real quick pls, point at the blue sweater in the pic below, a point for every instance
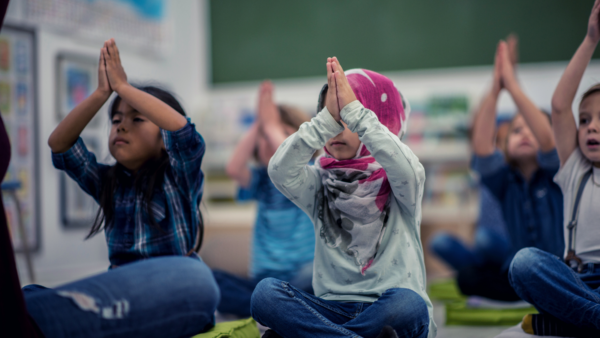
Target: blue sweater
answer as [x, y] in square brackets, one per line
[284, 239]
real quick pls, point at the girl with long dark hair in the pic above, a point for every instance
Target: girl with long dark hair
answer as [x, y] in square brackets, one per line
[149, 212]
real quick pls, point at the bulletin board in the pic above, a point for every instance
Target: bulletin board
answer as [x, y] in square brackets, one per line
[18, 106]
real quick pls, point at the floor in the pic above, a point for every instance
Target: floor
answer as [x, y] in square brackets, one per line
[462, 331]
[443, 331]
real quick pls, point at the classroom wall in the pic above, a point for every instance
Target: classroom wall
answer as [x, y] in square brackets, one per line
[64, 255]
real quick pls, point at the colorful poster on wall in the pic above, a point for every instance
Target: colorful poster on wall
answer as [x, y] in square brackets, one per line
[18, 106]
[77, 77]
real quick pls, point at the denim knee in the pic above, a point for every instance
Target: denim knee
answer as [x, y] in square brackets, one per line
[484, 238]
[441, 244]
[32, 288]
[263, 297]
[195, 280]
[526, 263]
[405, 306]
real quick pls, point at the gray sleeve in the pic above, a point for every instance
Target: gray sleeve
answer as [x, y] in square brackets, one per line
[289, 169]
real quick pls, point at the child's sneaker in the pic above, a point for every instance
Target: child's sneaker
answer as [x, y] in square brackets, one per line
[546, 325]
[271, 334]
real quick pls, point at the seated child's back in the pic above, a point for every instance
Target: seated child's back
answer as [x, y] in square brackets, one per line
[283, 239]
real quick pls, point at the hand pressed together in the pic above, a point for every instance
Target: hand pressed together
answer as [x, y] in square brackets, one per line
[117, 78]
[339, 94]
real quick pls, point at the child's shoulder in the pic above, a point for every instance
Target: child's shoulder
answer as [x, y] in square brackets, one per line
[573, 169]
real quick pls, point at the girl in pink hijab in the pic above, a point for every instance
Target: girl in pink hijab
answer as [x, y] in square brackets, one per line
[364, 198]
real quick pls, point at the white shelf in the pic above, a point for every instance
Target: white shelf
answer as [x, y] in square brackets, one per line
[439, 214]
[451, 151]
[229, 215]
[244, 215]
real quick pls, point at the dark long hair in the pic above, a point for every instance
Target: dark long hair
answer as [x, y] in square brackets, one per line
[146, 180]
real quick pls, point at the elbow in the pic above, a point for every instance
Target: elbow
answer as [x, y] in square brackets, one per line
[54, 143]
[274, 171]
[547, 144]
[480, 149]
[558, 106]
[232, 171]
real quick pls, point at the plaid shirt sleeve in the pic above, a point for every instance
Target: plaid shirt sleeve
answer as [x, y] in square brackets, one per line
[186, 148]
[81, 165]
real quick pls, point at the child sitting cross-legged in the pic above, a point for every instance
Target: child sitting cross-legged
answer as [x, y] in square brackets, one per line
[364, 198]
[149, 203]
[519, 177]
[567, 296]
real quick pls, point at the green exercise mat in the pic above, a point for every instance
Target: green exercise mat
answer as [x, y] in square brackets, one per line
[243, 328]
[445, 290]
[459, 313]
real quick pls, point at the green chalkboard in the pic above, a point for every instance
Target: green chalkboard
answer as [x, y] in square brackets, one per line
[258, 39]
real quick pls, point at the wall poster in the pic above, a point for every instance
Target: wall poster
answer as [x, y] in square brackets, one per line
[18, 106]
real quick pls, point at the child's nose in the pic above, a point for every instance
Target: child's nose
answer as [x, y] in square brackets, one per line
[123, 126]
[594, 126]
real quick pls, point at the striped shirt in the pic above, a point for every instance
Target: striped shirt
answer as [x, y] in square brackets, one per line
[284, 238]
[175, 207]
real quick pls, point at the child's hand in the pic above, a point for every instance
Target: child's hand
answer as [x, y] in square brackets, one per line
[345, 94]
[331, 101]
[114, 70]
[509, 79]
[593, 32]
[512, 41]
[103, 85]
[268, 114]
[497, 80]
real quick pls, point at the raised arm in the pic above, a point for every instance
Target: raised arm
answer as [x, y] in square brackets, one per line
[484, 125]
[68, 130]
[237, 167]
[154, 109]
[534, 117]
[563, 123]
[269, 119]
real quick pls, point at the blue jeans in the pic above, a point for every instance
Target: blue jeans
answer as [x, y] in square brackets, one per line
[236, 292]
[159, 297]
[488, 248]
[545, 281]
[294, 313]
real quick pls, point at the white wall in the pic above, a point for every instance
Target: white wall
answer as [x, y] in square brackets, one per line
[64, 255]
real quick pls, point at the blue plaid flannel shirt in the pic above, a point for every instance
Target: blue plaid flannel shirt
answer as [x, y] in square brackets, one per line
[175, 206]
